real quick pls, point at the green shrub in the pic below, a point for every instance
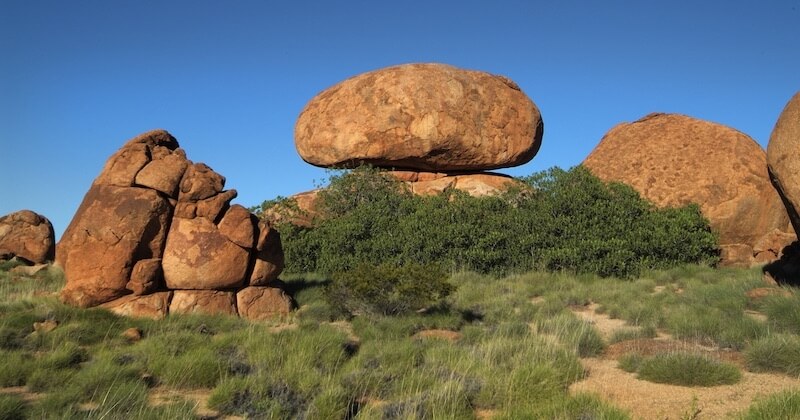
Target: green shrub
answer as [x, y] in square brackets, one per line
[783, 405]
[388, 290]
[776, 353]
[564, 220]
[685, 369]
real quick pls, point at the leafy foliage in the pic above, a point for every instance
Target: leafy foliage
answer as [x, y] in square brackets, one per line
[387, 290]
[561, 220]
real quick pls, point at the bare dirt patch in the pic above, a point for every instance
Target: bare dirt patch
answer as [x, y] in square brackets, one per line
[163, 396]
[22, 392]
[647, 400]
[654, 346]
[604, 323]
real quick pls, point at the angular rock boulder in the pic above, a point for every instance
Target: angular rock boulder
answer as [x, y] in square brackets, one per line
[674, 160]
[262, 303]
[154, 306]
[28, 235]
[269, 260]
[783, 158]
[113, 229]
[429, 117]
[210, 302]
[146, 277]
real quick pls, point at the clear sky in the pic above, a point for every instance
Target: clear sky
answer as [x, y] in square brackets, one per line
[229, 78]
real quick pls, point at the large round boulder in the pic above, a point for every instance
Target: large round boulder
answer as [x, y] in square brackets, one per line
[430, 117]
[198, 256]
[27, 235]
[674, 160]
[783, 158]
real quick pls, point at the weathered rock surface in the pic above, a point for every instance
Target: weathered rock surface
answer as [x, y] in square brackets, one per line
[198, 256]
[200, 182]
[155, 306]
[674, 160]
[212, 208]
[261, 303]
[211, 302]
[783, 159]
[154, 223]
[475, 184]
[300, 210]
[238, 225]
[269, 256]
[164, 174]
[28, 235]
[430, 117]
[146, 277]
[113, 228]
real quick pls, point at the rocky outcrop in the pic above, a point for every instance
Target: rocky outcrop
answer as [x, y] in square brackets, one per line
[428, 117]
[27, 235]
[477, 184]
[783, 159]
[674, 160]
[784, 169]
[156, 234]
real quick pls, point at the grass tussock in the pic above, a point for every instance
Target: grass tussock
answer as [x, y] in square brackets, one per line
[781, 405]
[776, 353]
[685, 369]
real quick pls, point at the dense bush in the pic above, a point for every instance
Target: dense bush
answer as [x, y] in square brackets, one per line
[561, 220]
[386, 289]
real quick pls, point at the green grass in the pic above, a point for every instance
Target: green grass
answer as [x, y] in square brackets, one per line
[12, 407]
[634, 333]
[782, 405]
[518, 351]
[777, 353]
[685, 369]
[783, 313]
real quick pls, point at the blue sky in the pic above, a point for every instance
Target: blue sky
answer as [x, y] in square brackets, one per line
[229, 78]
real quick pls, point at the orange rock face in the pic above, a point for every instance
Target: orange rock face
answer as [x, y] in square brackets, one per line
[113, 228]
[198, 256]
[269, 260]
[674, 160]
[155, 306]
[260, 303]
[476, 184]
[156, 234]
[27, 235]
[783, 159]
[429, 117]
[211, 302]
